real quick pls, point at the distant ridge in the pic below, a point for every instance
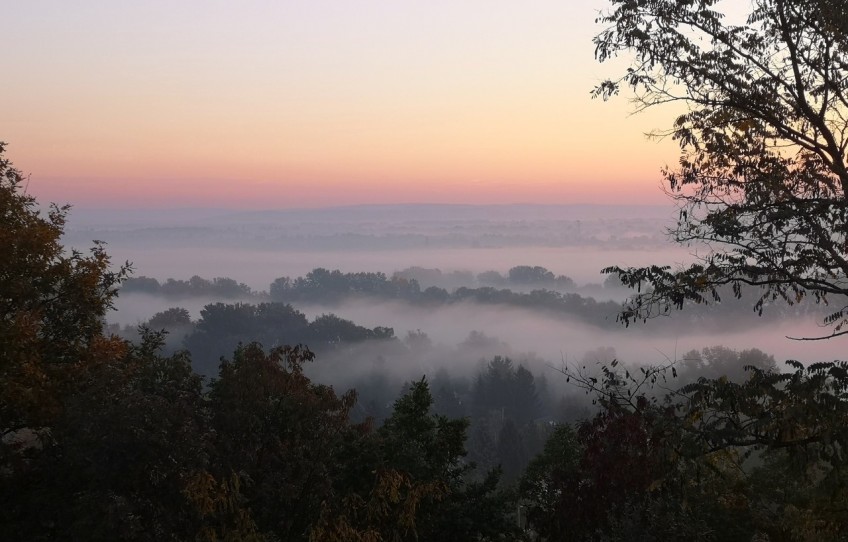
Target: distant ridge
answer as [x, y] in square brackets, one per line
[407, 212]
[460, 212]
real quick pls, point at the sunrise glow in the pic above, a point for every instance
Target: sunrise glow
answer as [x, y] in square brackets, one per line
[295, 104]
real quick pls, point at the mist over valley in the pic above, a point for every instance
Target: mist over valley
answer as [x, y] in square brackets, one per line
[449, 248]
[257, 247]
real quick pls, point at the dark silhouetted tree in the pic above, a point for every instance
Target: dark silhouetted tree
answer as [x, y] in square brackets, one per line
[548, 475]
[281, 434]
[52, 305]
[525, 398]
[170, 318]
[762, 177]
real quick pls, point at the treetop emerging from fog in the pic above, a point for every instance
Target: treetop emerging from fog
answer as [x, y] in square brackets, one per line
[762, 175]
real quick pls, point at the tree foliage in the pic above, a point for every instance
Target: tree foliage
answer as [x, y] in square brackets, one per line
[222, 327]
[712, 460]
[118, 458]
[220, 287]
[281, 433]
[546, 477]
[762, 178]
[52, 303]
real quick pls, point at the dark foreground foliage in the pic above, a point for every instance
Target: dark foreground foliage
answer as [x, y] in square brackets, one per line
[762, 459]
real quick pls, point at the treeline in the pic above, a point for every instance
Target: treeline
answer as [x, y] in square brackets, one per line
[365, 283]
[324, 287]
[520, 276]
[223, 326]
[332, 288]
[219, 287]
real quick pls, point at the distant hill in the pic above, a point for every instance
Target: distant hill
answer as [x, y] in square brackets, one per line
[415, 212]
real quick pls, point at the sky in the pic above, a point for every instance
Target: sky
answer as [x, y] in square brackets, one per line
[283, 104]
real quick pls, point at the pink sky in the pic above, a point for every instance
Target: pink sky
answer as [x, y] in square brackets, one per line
[295, 104]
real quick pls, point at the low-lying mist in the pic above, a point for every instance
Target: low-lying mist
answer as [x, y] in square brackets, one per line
[541, 338]
[258, 267]
[555, 340]
[257, 247]
[448, 247]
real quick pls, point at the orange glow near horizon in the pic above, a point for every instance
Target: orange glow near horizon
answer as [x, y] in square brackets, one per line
[325, 104]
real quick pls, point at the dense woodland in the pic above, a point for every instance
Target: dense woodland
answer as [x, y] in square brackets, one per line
[526, 287]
